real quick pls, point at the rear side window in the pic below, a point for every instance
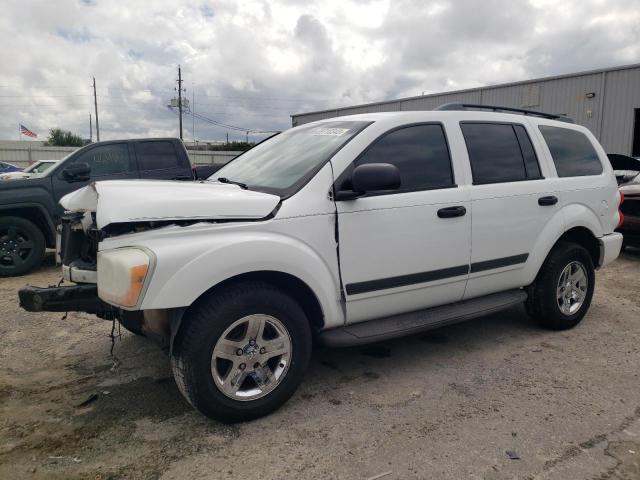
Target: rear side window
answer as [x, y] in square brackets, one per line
[156, 155]
[500, 153]
[572, 152]
[421, 154]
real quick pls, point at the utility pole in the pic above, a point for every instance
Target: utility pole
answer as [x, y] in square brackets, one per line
[180, 98]
[192, 108]
[227, 138]
[95, 103]
[90, 130]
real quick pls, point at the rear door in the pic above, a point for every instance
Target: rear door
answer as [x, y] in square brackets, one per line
[511, 202]
[400, 251]
[160, 160]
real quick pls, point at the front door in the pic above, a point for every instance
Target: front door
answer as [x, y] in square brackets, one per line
[409, 249]
[109, 161]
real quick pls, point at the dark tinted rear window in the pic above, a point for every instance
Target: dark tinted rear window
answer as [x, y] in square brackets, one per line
[498, 154]
[156, 155]
[572, 152]
[420, 152]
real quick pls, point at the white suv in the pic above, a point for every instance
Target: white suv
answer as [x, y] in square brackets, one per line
[348, 230]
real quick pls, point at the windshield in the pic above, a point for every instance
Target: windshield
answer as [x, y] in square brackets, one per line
[38, 167]
[286, 161]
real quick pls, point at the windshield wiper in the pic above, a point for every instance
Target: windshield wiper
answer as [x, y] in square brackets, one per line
[226, 180]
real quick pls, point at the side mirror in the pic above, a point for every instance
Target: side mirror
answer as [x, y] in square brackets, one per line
[371, 177]
[77, 172]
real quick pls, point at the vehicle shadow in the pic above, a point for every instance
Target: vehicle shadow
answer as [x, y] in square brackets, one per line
[426, 351]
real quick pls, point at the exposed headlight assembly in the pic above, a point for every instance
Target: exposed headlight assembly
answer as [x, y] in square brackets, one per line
[123, 275]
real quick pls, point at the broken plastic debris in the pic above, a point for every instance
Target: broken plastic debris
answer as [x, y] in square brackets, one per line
[513, 455]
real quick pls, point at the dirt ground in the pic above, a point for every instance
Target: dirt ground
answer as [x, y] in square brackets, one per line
[451, 404]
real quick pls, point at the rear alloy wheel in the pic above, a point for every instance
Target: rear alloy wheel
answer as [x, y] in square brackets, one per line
[241, 351]
[572, 288]
[22, 246]
[561, 294]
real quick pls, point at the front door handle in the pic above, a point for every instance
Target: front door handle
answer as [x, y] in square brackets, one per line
[450, 212]
[547, 201]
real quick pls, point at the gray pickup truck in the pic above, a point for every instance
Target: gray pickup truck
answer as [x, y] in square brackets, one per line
[29, 208]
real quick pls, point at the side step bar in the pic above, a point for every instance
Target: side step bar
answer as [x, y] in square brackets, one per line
[414, 322]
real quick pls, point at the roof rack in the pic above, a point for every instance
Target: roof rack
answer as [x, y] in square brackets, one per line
[493, 108]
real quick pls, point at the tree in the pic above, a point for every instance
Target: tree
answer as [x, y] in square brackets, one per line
[64, 138]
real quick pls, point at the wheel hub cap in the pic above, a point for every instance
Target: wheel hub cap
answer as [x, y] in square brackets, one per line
[251, 357]
[572, 288]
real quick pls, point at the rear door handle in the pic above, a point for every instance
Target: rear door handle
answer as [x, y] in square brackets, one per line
[546, 201]
[450, 212]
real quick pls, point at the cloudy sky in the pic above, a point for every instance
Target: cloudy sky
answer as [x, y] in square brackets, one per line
[252, 63]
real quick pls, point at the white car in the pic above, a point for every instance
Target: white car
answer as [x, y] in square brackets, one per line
[36, 168]
[348, 230]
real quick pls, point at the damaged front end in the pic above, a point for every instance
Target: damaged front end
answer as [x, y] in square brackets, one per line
[111, 282]
[77, 252]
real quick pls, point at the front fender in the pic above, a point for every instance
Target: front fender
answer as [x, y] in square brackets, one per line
[189, 266]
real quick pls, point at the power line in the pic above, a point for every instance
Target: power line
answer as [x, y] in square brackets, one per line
[225, 125]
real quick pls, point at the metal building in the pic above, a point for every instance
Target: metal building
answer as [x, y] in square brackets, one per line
[605, 101]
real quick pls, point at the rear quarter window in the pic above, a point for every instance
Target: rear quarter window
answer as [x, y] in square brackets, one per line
[572, 152]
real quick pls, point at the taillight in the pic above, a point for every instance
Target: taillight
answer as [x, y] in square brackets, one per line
[620, 214]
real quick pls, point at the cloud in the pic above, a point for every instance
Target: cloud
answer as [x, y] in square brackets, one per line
[252, 63]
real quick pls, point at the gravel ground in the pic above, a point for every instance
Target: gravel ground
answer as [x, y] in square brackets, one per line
[448, 404]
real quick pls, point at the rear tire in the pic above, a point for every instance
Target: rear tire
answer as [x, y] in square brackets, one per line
[22, 246]
[222, 359]
[561, 294]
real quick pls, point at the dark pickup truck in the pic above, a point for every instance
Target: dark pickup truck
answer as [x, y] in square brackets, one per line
[29, 208]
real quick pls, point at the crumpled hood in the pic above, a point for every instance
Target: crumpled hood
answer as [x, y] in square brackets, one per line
[118, 201]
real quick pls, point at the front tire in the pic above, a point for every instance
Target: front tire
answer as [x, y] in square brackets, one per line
[22, 246]
[241, 351]
[562, 292]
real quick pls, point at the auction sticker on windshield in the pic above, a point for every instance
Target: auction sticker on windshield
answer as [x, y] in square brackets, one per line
[330, 131]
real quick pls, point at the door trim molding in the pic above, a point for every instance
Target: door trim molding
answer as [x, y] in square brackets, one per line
[433, 275]
[404, 280]
[498, 262]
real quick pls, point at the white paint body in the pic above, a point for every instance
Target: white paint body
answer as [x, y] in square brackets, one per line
[119, 201]
[379, 237]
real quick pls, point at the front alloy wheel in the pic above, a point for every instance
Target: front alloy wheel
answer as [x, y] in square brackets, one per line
[251, 357]
[241, 351]
[22, 246]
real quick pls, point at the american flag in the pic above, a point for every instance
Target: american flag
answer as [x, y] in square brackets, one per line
[25, 131]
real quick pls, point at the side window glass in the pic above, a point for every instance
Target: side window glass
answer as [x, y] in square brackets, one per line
[531, 164]
[156, 155]
[108, 159]
[421, 154]
[494, 153]
[572, 152]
